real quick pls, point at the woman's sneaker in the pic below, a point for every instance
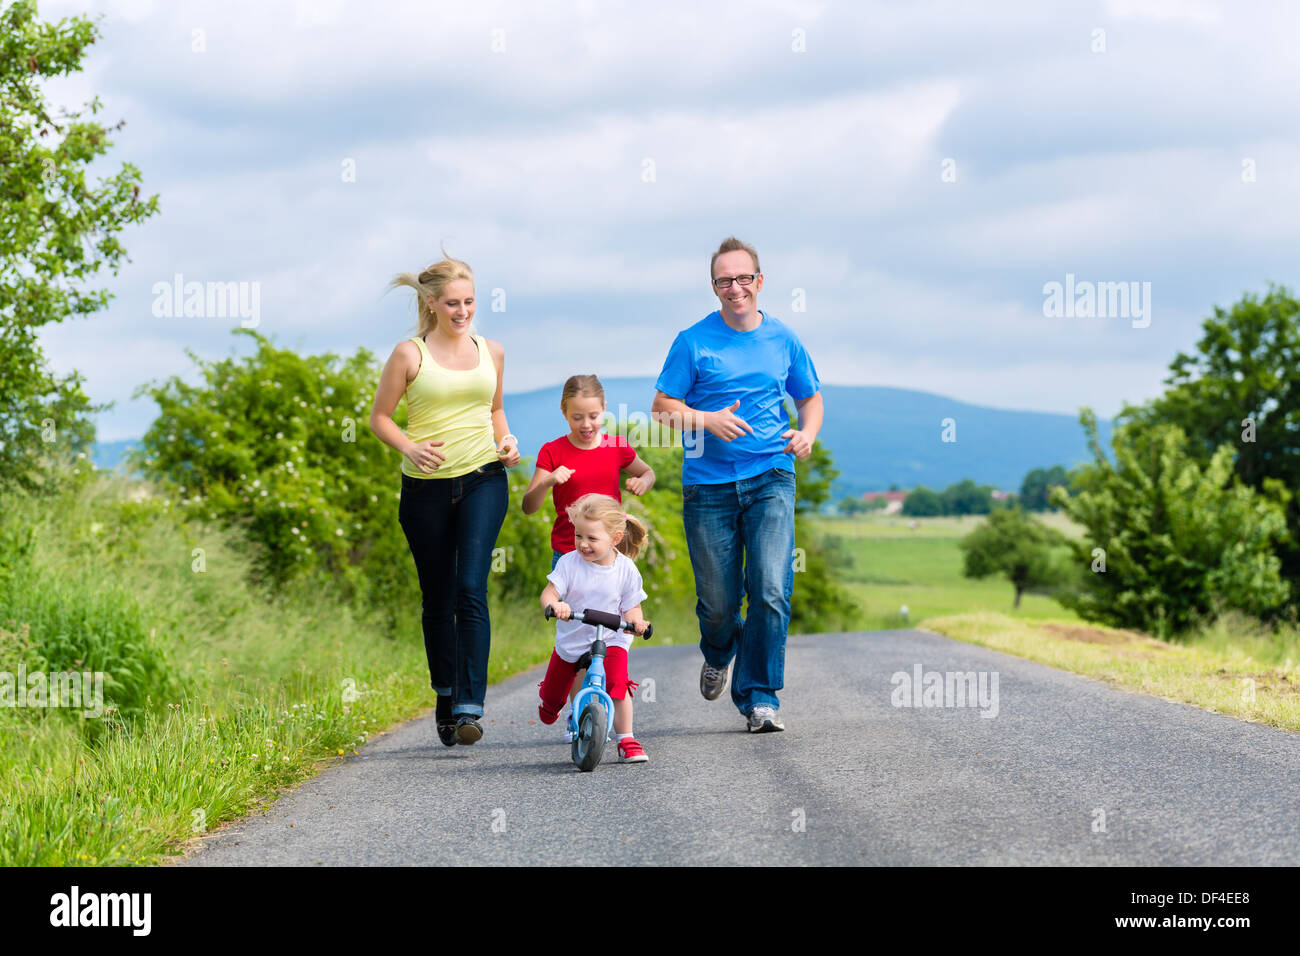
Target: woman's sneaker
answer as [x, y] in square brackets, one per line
[763, 720]
[468, 730]
[713, 680]
[629, 751]
[446, 722]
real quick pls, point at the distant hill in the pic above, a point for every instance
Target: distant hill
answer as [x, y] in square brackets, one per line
[877, 436]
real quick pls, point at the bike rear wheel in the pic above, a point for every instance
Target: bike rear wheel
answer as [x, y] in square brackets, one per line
[589, 745]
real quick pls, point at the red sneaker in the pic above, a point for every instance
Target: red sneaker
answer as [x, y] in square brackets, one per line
[629, 751]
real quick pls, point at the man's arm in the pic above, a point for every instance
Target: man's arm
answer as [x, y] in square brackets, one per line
[810, 412]
[674, 413]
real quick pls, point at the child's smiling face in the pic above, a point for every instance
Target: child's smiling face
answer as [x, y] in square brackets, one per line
[593, 541]
[585, 416]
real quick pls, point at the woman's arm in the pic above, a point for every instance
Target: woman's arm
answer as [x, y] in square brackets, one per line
[507, 444]
[401, 367]
[641, 477]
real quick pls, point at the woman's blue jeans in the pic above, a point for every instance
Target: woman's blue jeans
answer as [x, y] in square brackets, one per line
[451, 527]
[740, 535]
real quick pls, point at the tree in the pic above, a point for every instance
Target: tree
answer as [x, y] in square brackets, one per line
[1169, 543]
[921, 502]
[851, 505]
[58, 230]
[967, 498]
[1016, 546]
[1036, 488]
[1242, 388]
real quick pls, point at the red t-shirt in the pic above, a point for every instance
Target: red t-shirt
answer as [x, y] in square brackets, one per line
[596, 471]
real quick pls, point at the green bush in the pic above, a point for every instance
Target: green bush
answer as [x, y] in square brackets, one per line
[278, 444]
[1182, 543]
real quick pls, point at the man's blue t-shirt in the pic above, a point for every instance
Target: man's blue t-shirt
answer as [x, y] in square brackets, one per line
[709, 366]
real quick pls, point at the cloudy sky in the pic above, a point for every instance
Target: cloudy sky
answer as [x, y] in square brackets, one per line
[912, 174]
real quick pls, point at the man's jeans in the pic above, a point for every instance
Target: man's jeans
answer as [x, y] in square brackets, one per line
[451, 527]
[741, 538]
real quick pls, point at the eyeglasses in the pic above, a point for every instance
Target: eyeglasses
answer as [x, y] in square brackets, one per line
[725, 281]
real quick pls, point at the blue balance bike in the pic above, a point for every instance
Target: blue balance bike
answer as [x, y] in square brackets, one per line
[591, 718]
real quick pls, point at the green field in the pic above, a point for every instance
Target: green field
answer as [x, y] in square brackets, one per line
[888, 563]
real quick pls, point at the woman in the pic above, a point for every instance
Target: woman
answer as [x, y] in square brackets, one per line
[453, 481]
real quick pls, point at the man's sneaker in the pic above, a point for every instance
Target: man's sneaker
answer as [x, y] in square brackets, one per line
[763, 720]
[629, 751]
[468, 730]
[713, 680]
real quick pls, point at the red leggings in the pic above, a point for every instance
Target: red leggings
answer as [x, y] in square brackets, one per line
[557, 683]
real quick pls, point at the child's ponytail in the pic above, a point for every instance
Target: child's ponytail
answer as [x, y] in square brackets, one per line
[634, 536]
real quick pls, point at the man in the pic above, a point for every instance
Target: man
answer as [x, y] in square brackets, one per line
[726, 377]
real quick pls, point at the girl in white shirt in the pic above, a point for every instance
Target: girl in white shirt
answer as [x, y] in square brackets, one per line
[598, 574]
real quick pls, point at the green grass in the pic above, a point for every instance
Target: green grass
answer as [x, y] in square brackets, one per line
[237, 694]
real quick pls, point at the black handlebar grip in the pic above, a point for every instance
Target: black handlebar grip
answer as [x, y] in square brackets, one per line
[649, 629]
[550, 611]
[603, 618]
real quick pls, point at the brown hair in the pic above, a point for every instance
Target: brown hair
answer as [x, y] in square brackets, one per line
[732, 244]
[610, 513]
[581, 386]
[431, 282]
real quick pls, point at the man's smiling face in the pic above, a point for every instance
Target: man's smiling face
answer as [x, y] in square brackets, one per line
[739, 301]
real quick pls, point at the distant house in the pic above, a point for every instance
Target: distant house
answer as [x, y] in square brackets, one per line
[894, 500]
[1001, 495]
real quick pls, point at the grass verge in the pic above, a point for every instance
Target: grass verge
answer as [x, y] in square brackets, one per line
[1233, 668]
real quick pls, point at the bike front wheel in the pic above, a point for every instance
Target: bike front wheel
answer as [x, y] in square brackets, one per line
[589, 745]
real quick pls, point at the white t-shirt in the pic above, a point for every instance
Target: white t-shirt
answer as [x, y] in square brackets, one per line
[586, 585]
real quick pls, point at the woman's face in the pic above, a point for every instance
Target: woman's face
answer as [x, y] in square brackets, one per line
[584, 416]
[455, 310]
[592, 540]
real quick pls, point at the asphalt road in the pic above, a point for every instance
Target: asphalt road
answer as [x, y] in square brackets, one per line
[1069, 771]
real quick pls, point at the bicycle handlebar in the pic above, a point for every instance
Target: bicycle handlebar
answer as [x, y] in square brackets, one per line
[604, 618]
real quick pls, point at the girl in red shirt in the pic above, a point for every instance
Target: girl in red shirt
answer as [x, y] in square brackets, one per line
[585, 461]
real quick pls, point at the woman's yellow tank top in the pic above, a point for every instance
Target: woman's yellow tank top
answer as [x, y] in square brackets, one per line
[454, 407]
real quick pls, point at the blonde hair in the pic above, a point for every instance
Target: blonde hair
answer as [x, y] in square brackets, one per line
[610, 513]
[580, 386]
[430, 283]
[732, 244]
